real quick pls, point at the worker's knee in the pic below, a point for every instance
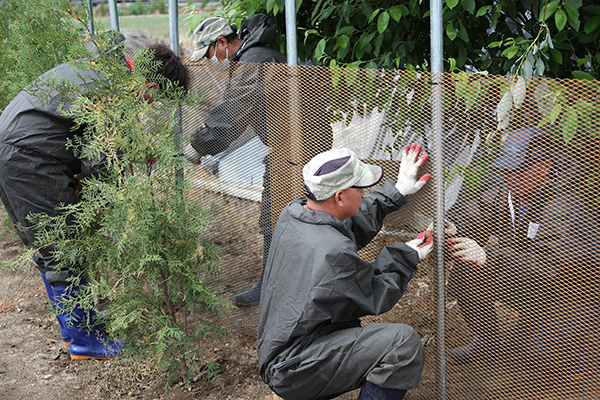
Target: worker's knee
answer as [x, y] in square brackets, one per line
[408, 344]
[402, 364]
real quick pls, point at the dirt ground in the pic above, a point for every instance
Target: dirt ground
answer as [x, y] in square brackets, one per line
[35, 365]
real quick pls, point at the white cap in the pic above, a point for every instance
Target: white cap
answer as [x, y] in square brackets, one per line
[207, 33]
[335, 170]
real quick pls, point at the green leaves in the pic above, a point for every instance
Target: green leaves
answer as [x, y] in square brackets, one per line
[382, 21]
[396, 13]
[558, 33]
[592, 24]
[561, 19]
[451, 3]
[320, 49]
[569, 124]
[469, 6]
[583, 75]
[451, 31]
[26, 30]
[483, 11]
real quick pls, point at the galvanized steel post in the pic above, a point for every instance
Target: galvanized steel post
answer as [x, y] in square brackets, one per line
[174, 26]
[291, 42]
[437, 107]
[174, 44]
[292, 60]
[114, 15]
[90, 10]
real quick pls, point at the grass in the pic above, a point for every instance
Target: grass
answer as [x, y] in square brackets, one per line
[157, 25]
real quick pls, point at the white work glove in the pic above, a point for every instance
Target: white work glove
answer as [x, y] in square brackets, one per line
[191, 154]
[449, 228]
[409, 168]
[423, 244]
[467, 250]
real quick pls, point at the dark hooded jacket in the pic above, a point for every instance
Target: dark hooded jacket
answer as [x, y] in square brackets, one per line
[553, 243]
[37, 169]
[316, 281]
[36, 123]
[244, 102]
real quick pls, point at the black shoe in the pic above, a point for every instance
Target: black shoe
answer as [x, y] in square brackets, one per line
[250, 297]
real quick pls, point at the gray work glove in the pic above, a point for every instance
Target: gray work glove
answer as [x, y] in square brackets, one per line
[409, 168]
[423, 244]
[467, 250]
[191, 154]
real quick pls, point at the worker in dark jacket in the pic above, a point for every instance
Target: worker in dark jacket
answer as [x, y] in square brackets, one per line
[316, 287]
[543, 263]
[243, 110]
[38, 174]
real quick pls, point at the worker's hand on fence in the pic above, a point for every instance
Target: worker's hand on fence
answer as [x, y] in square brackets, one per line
[191, 154]
[423, 244]
[409, 168]
[449, 228]
[467, 250]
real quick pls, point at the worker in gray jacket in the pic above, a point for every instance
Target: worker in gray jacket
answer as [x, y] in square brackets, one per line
[38, 173]
[316, 287]
[244, 107]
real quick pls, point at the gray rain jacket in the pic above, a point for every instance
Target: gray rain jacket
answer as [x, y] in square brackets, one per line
[37, 170]
[315, 283]
[37, 124]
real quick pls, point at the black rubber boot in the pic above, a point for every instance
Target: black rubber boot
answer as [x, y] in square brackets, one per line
[250, 297]
[476, 349]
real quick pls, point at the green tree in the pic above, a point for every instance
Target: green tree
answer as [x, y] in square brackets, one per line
[34, 37]
[559, 38]
[135, 229]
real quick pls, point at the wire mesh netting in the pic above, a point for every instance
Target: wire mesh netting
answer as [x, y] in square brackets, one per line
[520, 200]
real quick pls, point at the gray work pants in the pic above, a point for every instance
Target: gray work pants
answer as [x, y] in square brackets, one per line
[387, 355]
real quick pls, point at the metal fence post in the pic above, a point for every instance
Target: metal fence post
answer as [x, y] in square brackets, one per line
[437, 101]
[295, 123]
[114, 15]
[90, 9]
[174, 44]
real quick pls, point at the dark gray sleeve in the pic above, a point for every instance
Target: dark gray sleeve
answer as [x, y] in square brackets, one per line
[474, 215]
[372, 288]
[94, 168]
[376, 204]
[570, 238]
[243, 104]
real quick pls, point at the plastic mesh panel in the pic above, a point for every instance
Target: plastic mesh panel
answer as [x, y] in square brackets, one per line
[532, 307]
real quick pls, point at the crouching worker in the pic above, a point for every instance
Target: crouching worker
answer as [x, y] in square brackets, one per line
[316, 287]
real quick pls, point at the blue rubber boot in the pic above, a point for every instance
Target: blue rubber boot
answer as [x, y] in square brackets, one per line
[250, 297]
[371, 391]
[64, 336]
[87, 340]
